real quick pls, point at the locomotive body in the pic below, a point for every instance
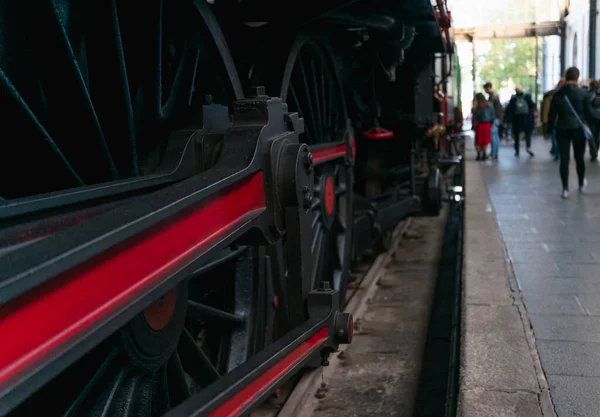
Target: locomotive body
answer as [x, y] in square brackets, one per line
[186, 184]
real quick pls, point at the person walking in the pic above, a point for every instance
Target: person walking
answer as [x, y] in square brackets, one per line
[483, 112]
[521, 109]
[595, 125]
[567, 101]
[547, 99]
[498, 116]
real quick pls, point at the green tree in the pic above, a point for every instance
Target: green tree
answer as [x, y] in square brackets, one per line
[507, 62]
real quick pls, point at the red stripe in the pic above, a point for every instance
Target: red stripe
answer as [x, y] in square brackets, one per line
[236, 404]
[57, 313]
[322, 155]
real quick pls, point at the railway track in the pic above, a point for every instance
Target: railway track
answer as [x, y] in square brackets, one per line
[300, 396]
[436, 352]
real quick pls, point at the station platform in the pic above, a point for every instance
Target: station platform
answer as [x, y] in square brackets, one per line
[531, 289]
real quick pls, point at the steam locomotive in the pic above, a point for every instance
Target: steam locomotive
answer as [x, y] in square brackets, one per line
[186, 185]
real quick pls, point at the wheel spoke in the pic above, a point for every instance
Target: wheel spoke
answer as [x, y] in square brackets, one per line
[105, 403]
[179, 389]
[318, 119]
[162, 402]
[322, 89]
[310, 121]
[315, 203]
[48, 157]
[342, 215]
[105, 63]
[341, 249]
[152, 94]
[194, 361]
[72, 113]
[331, 102]
[308, 127]
[316, 237]
[125, 397]
[212, 315]
[92, 384]
[316, 217]
[142, 397]
[317, 257]
[183, 84]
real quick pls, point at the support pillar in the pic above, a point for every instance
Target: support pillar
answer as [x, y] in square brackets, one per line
[537, 65]
[474, 67]
[592, 42]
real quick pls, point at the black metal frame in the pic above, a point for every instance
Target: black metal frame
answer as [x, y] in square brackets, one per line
[259, 140]
[323, 305]
[262, 140]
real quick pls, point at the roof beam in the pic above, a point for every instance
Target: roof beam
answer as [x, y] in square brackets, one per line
[515, 30]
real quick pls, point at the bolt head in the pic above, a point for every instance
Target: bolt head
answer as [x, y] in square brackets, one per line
[324, 286]
[257, 91]
[308, 158]
[308, 161]
[307, 200]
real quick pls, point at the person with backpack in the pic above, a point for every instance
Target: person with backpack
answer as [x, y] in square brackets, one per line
[498, 117]
[521, 109]
[569, 108]
[594, 95]
[547, 99]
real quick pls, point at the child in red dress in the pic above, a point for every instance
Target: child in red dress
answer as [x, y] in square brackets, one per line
[483, 116]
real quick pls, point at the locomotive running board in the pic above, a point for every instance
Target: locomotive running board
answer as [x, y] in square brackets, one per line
[246, 387]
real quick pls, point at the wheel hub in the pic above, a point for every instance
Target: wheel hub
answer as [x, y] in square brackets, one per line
[160, 312]
[151, 337]
[326, 194]
[329, 195]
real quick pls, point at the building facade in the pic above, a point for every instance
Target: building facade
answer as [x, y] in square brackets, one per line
[579, 39]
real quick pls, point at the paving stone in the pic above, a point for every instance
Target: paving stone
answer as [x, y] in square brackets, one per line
[534, 235]
[547, 304]
[503, 320]
[575, 396]
[590, 303]
[498, 377]
[487, 283]
[570, 358]
[556, 286]
[495, 361]
[539, 270]
[543, 257]
[582, 329]
[550, 247]
[499, 404]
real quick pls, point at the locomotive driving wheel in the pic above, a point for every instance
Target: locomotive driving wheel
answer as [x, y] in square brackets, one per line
[96, 89]
[311, 86]
[181, 343]
[113, 80]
